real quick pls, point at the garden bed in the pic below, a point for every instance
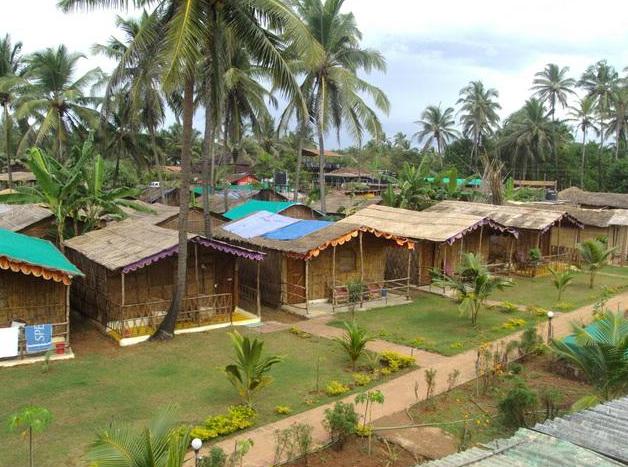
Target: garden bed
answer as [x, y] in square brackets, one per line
[483, 422]
[541, 292]
[130, 384]
[435, 324]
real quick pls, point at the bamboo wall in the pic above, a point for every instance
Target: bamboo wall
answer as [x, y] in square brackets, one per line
[99, 294]
[31, 299]
[271, 277]
[321, 267]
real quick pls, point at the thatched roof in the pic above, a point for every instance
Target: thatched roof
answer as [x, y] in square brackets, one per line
[594, 217]
[350, 172]
[153, 194]
[340, 202]
[589, 198]
[312, 244]
[158, 212]
[17, 217]
[19, 177]
[518, 217]
[420, 225]
[124, 243]
[313, 152]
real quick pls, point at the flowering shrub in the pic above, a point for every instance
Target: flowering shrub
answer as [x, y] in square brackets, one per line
[238, 418]
[335, 388]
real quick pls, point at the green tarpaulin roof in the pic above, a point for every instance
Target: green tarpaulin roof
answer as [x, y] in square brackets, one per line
[253, 206]
[34, 251]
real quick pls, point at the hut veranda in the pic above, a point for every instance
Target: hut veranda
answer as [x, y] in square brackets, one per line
[314, 261]
[35, 282]
[130, 271]
[537, 228]
[440, 238]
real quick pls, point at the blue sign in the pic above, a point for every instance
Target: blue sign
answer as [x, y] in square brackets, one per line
[38, 337]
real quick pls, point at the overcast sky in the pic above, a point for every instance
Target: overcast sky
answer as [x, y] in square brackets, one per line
[432, 48]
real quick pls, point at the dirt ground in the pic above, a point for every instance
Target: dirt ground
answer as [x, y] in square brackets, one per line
[355, 454]
[276, 314]
[86, 338]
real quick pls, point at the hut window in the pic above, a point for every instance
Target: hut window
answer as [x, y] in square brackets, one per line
[346, 260]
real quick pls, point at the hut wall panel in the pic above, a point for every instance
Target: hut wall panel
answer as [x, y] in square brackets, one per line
[19, 293]
[300, 212]
[321, 267]
[270, 277]
[42, 229]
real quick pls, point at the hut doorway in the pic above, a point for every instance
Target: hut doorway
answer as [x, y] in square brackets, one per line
[295, 276]
[224, 270]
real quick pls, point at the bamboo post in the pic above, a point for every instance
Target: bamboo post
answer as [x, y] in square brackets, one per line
[333, 279]
[361, 271]
[558, 238]
[236, 286]
[307, 284]
[511, 247]
[198, 284]
[259, 298]
[408, 274]
[67, 316]
[481, 235]
[122, 300]
[419, 262]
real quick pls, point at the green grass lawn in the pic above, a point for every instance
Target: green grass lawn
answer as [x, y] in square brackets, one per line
[130, 384]
[616, 270]
[540, 291]
[434, 323]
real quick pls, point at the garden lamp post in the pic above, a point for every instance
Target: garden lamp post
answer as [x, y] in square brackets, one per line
[550, 315]
[196, 445]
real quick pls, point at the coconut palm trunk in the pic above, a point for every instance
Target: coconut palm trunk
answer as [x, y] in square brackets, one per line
[321, 144]
[582, 161]
[297, 177]
[7, 142]
[157, 162]
[167, 326]
[207, 168]
[600, 154]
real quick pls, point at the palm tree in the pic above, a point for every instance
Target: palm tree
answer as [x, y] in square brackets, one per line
[55, 98]
[10, 83]
[561, 280]
[437, 127]
[353, 341]
[163, 443]
[478, 113]
[601, 352]
[179, 35]
[595, 256]
[599, 81]
[529, 132]
[249, 372]
[136, 80]
[331, 84]
[618, 124]
[583, 115]
[552, 87]
[474, 285]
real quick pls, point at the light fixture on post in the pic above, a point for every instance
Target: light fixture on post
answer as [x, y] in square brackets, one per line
[550, 315]
[196, 444]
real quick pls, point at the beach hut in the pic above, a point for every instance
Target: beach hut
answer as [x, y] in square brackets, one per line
[440, 238]
[313, 262]
[595, 200]
[286, 208]
[35, 281]
[130, 271]
[29, 219]
[536, 228]
[340, 203]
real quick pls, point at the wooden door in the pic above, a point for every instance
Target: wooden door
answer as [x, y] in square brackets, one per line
[224, 270]
[295, 276]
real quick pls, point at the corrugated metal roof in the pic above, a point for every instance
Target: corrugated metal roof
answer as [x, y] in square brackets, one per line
[603, 428]
[593, 437]
[525, 448]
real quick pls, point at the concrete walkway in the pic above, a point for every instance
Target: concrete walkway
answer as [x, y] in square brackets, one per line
[399, 393]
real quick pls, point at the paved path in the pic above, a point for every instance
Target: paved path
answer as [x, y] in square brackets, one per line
[399, 393]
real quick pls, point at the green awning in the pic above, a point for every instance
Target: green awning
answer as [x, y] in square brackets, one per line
[252, 206]
[21, 248]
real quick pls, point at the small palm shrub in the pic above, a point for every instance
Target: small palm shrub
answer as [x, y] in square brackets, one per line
[518, 404]
[354, 341]
[249, 372]
[594, 255]
[561, 280]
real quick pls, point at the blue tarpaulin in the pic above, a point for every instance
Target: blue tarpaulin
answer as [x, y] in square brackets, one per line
[258, 224]
[297, 230]
[38, 337]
